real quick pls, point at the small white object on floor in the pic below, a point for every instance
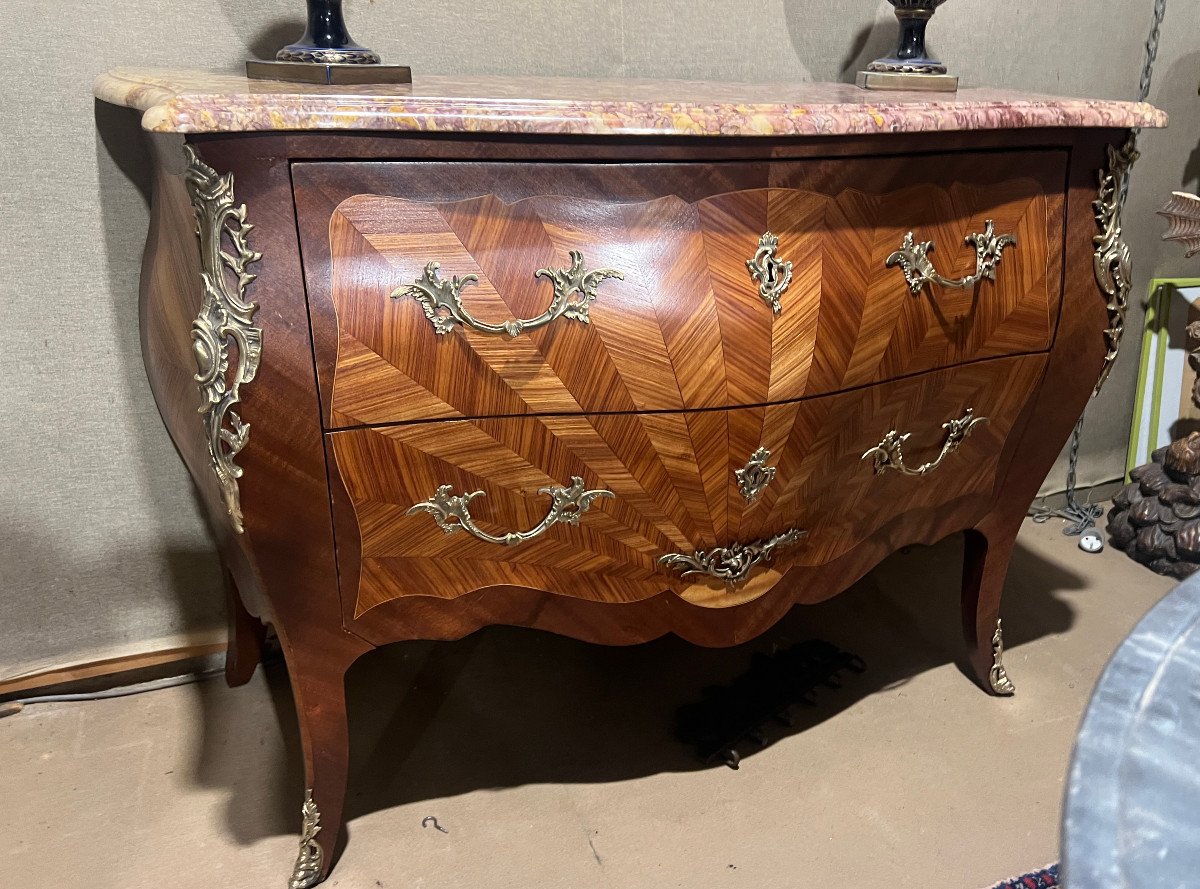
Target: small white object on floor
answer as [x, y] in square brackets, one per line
[1091, 542]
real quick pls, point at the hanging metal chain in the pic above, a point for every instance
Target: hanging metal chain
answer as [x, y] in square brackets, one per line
[1160, 11]
[1083, 515]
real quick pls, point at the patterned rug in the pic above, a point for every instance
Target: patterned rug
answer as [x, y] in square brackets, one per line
[1041, 879]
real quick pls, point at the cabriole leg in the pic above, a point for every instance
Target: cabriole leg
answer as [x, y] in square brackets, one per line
[320, 693]
[985, 565]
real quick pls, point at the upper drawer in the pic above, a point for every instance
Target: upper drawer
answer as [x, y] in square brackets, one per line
[632, 287]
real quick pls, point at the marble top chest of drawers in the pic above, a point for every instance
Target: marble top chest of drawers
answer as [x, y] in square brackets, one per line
[610, 359]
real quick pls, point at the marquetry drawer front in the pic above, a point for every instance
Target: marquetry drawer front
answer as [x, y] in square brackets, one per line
[590, 506]
[574, 289]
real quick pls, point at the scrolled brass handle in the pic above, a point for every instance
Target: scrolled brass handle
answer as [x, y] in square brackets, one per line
[574, 291]
[913, 259]
[452, 511]
[732, 563]
[889, 453]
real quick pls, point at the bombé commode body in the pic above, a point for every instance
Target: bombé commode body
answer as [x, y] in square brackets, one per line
[611, 360]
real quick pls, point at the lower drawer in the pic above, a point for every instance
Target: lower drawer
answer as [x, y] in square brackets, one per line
[713, 505]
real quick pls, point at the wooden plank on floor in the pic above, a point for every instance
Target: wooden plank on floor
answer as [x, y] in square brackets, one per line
[128, 664]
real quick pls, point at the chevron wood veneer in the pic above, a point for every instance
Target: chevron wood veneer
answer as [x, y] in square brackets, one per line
[686, 425]
[673, 477]
[683, 329]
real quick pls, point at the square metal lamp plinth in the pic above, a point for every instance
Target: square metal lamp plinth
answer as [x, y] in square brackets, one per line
[900, 80]
[328, 72]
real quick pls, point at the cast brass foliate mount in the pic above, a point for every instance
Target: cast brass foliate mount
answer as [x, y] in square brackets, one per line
[732, 563]
[753, 478]
[889, 453]
[574, 291]
[919, 272]
[1112, 261]
[452, 511]
[307, 872]
[772, 274]
[997, 677]
[225, 342]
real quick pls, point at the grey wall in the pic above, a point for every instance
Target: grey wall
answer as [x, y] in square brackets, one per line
[102, 549]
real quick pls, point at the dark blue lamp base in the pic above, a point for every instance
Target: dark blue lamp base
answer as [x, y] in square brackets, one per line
[326, 40]
[910, 67]
[326, 54]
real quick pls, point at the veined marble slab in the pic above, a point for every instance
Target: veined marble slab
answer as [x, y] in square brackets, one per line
[199, 102]
[1132, 814]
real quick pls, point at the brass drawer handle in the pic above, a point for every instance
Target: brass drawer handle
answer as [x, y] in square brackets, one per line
[889, 453]
[913, 259]
[732, 563]
[772, 274]
[574, 289]
[452, 511]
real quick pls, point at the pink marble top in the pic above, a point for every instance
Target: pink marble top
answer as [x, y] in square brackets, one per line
[199, 102]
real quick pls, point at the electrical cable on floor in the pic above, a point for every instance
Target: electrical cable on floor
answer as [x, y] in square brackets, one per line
[11, 708]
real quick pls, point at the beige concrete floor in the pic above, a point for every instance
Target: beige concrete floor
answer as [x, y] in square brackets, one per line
[552, 764]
